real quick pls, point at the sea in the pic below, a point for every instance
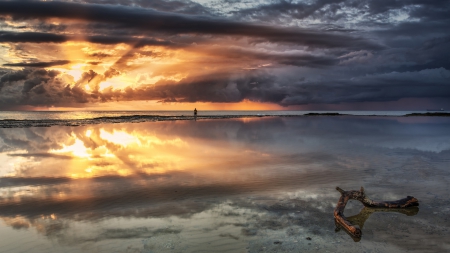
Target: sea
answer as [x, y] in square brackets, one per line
[224, 181]
[77, 115]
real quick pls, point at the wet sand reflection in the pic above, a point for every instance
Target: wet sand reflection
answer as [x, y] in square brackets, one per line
[232, 185]
[361, 217]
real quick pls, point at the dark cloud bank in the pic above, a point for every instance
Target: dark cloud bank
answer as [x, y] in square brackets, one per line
[358, 52]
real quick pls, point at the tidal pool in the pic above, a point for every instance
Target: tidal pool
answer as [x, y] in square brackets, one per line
[225, 185]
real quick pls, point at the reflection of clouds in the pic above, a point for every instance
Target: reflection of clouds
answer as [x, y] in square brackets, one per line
[17, 222]
[100, 151]
[239, 181]
[265, 217]
[82, 196]
[217, 216]
[139, 232]
[225, 157]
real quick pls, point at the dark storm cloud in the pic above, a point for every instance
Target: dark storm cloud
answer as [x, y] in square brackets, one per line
[272, 57]
[34, 37]
[217, 87]
[262, 87]
[342, 62]
[38, 64]
[171, 23]
[13, 76]
[186, 7]
[19, 87]
[38, 77]
[44, 88]
[37, 37]
[379, 87]
[293, 59]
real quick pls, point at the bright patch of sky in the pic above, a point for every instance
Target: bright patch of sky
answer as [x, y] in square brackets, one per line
[227, 7]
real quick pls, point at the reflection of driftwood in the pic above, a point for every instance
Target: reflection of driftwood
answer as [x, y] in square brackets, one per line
[365, 213]
[345, 223]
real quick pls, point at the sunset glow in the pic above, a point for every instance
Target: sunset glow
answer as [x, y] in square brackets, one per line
[179, 55]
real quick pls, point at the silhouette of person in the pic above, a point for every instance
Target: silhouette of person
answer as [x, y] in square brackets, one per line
[195, 111]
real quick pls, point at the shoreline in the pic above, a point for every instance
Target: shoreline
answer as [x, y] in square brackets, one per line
[12, 123]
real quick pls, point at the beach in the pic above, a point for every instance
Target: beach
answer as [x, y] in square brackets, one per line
[190, 126]
[246, 184]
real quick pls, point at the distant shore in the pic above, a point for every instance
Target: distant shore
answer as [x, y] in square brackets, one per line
[427, 114]
[11, 123]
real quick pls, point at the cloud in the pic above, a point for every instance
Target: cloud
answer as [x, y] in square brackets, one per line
[38, 37]
[260, 86]
[297, 10]
[14, 76]
[31, 37]
[285, 52]
[378, 87]
[343, 10]
[184, 6]
[42, 87]
[37, 64]
[172, 23]
[293, 58]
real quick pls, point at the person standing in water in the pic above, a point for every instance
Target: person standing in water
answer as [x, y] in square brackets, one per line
[195, 112]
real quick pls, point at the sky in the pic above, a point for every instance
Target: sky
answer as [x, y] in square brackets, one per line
[225, 55]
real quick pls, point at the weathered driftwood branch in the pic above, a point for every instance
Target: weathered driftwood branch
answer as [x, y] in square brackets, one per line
[342, 221]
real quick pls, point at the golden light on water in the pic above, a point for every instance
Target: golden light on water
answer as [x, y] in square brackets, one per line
[120, 137]
[77, 149]
[93, 152]
[128, 150]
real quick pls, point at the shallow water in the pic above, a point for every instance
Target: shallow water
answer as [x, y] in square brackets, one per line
[80, 115]
[225, 185]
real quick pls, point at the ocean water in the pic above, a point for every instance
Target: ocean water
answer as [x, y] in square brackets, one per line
[77, 115]
[18, 119]
[251, 184]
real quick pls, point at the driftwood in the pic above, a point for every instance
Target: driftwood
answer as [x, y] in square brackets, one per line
[349, 227]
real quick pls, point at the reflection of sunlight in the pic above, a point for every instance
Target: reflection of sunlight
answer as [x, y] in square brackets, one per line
[119, 137]
[155, 140]
[9, 163]
[100, 151]
[77, 149]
